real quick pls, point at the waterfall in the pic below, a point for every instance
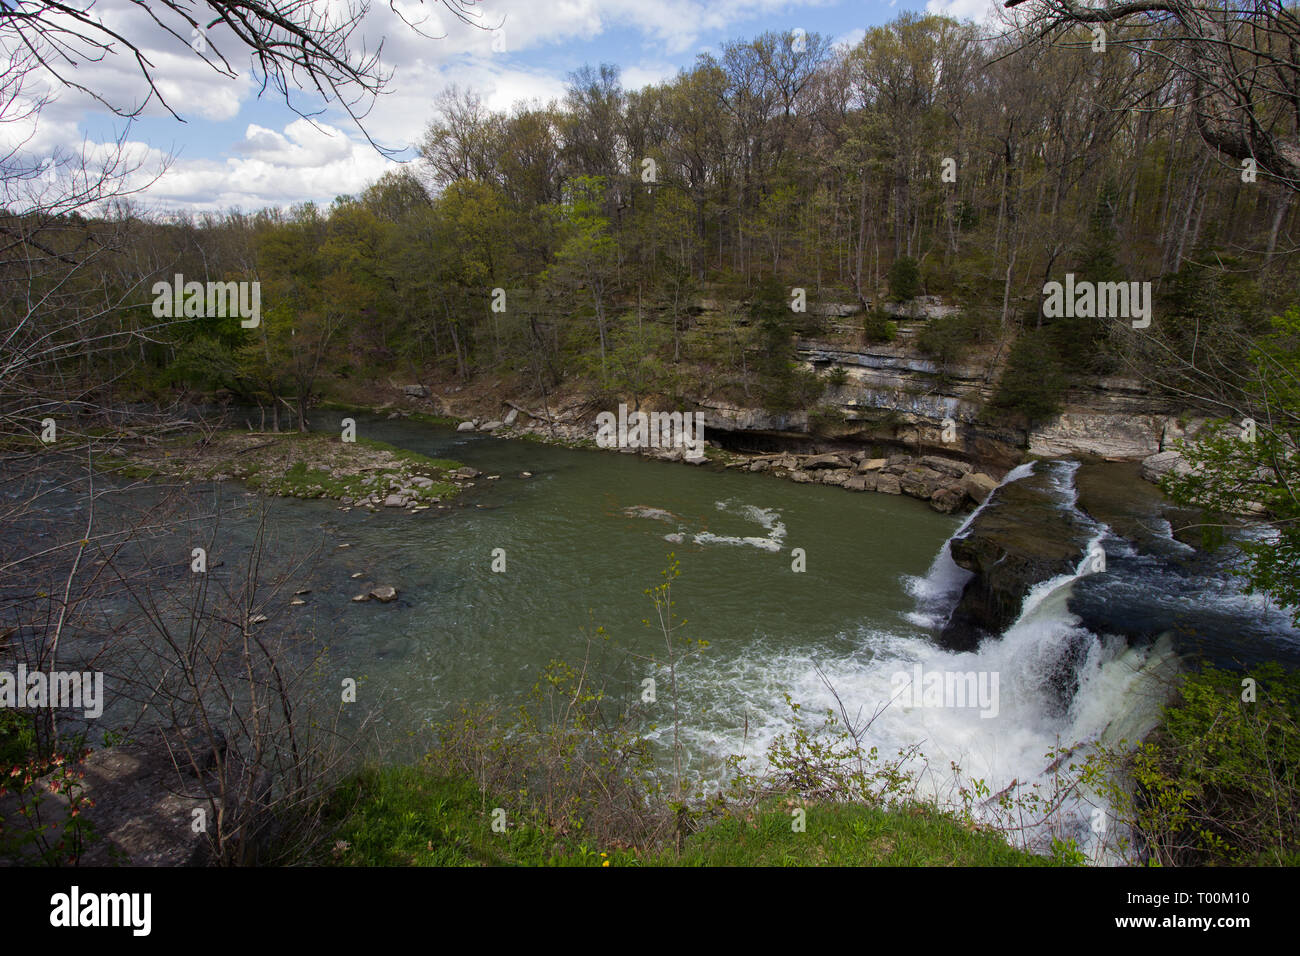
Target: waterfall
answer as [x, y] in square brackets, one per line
[937, 592]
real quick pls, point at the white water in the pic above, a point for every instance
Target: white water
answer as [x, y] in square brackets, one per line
[767, 518]
[1119, 691]
[936, 594]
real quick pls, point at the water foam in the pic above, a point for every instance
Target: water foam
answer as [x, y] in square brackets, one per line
[937, 592]
[1059, 685]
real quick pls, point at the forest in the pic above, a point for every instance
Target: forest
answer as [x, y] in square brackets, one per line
[574, 241]
[761, 233]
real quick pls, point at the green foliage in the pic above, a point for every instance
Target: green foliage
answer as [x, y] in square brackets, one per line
[1236, 467]
[1033, 384]
[904, 279]
[950, 338]
[782, 384]
[878, 328]
[1220, 781]
[32, 778]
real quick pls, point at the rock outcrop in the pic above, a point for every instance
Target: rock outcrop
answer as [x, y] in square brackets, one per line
[1020, 538]
[144, 796]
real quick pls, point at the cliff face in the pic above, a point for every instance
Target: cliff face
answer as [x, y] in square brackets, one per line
[894, 395]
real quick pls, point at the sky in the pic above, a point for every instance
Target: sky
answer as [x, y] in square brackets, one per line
[232, 148]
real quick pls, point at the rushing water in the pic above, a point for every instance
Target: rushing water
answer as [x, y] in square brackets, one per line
[589, 532]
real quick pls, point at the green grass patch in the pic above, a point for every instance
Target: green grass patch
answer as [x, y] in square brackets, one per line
[405, 816]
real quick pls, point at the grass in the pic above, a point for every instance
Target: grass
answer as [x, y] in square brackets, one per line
[404, 816]
[839, 834]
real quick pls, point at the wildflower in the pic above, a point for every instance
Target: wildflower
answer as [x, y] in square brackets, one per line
[606, 863]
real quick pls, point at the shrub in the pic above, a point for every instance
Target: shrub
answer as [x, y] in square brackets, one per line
[1217, 782]
[904, 279]
[1033, 383]
[878, 327]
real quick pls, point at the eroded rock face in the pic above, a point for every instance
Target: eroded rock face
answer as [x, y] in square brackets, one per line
[1020, 538]
[1158, 465]
[1110, 435]
[144, 800]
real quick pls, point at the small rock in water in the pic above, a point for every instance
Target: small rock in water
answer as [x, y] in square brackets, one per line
[384, 594]
[525, 474]
[358, 574]
[343, 545]
[258, 619]
[297, 602]
[303, 591]
[358, 598]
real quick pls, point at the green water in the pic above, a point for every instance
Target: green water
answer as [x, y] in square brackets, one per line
[576, 558]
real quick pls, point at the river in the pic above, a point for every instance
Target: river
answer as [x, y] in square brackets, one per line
[588, 532]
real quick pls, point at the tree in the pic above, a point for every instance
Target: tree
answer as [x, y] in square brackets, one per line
[586, 259]
[292, 44]
[1252, 464]
[1241, 59]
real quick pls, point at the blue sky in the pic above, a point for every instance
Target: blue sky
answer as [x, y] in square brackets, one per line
[234, 150]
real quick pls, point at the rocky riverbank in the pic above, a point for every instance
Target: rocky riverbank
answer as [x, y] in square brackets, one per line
[360, 473]
[947, 484]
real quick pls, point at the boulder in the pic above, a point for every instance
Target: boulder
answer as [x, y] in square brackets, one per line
[465, 427]
[856, 483]
[415, 391]
[947, 466]
[836, 476]
[978, 486]
[802, 477]
[920, 482]
[947, 500]
[491, 426]
[384, 593]
[871, 464]
[1161, 463]
[889, 485]
[465, 473]
[511, 417]
[825, 461]
[395, 501]
[141, 798]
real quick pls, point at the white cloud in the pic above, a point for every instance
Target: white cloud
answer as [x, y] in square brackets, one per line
[981, 11]
[278, 166]
[850, 39]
